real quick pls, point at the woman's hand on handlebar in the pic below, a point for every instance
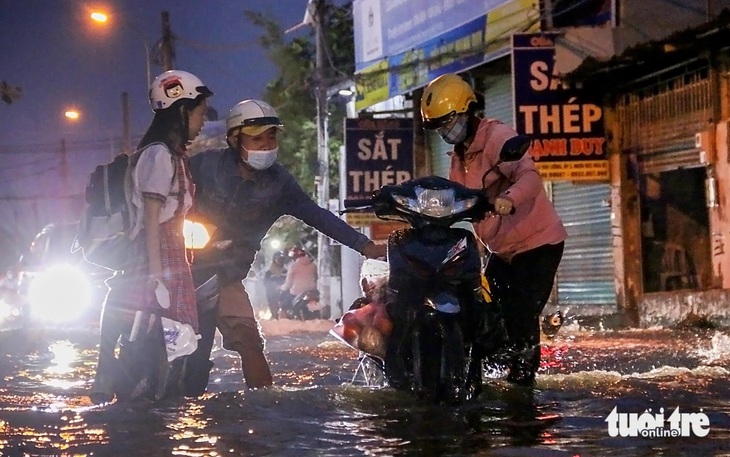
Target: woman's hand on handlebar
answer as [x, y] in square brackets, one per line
[503, 206]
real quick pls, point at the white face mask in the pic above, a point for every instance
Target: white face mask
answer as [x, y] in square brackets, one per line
[261, 160]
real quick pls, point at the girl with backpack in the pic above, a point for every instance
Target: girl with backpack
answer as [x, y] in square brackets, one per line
[157, 282]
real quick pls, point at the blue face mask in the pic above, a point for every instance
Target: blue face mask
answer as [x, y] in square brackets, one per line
[456, 132]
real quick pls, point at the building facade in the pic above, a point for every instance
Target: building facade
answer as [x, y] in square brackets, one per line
[646, 230]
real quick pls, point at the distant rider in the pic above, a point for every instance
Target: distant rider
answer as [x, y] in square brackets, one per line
[301, 277]
[273, 279]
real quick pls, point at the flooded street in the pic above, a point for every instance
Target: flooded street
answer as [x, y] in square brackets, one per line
[318, 409]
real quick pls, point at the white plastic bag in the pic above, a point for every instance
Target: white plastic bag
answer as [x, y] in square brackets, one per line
[374, 271]
[180, 338]
[162, 295]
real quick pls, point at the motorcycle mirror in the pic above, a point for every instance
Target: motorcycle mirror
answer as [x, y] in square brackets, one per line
[514, 148]
[512, 151]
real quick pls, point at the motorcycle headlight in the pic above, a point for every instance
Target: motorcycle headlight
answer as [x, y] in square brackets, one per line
[444, 303]
[196, 235]
[59, 294]
[7, 310]
[435, 202]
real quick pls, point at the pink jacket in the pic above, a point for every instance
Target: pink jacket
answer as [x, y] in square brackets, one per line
[535, 222]
[301, 277]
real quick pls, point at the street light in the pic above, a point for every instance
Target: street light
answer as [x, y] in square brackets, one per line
[101, 18]
[72, 114]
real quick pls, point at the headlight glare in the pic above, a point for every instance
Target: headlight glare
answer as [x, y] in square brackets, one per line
[196, 235]
[59, 294]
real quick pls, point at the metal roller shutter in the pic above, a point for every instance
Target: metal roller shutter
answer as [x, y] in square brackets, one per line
[659, 122]
[439, 159]
[499, 103]
[586, 273]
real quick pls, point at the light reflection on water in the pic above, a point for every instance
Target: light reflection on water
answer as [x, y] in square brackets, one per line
[316, 410]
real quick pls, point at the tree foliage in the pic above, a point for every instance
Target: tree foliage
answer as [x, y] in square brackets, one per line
[293, 94]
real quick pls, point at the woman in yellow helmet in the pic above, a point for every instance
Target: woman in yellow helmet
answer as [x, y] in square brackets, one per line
[524, 235]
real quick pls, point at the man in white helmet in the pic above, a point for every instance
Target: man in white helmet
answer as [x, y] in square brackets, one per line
[243, 191]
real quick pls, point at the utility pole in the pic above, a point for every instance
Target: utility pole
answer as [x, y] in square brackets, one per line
[63, 168]
[63, 171]
[126, 128]
[324, 251]
[167, 48]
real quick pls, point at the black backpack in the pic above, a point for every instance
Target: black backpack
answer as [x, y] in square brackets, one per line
[107, 218]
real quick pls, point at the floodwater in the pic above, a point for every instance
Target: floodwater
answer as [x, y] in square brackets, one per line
[320, 407]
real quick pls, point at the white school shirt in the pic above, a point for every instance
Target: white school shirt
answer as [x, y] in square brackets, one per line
[154, 174]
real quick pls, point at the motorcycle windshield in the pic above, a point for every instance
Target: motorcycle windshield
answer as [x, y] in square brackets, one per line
[433, 198]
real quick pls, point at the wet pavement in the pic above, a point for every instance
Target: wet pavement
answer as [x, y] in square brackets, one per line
[319, 407]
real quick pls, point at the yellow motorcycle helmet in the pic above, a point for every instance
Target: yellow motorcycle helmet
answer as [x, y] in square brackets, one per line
[444, 98]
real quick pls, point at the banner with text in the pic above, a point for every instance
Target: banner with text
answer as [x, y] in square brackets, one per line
[378, 152]
[397, 53]
[565, 122]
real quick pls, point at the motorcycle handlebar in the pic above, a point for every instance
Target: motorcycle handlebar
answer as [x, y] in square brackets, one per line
[352, 210]
[365, 204]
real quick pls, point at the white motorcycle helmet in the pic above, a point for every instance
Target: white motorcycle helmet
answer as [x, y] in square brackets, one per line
[253, 117]
[174, 85]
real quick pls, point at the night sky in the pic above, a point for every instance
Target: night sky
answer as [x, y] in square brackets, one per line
[62, 59]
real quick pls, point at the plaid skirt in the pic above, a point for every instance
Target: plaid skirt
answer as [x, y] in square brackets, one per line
[131, 290]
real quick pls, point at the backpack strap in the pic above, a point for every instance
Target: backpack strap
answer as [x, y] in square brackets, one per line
[129, 180]
[107, 198]
[180, 168]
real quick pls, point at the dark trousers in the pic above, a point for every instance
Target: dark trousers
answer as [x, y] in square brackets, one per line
[522, 287]
[199, 363]
[145, 359]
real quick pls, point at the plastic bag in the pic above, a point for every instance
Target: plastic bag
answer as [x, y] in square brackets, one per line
[180, 338]
[374, 272]
[162, 295]
[366, 329]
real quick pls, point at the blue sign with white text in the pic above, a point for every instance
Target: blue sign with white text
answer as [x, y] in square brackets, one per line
[379, 152]
[564, 121]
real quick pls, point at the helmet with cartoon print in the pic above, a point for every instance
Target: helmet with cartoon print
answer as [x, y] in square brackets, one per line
[174, 85]
[444, 98]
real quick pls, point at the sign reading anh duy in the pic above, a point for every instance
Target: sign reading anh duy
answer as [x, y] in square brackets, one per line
[565, 121]
[378, 152]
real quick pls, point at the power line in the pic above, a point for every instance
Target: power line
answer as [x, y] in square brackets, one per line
[40, 197]
[77, 146]
[11, 167]
[28, 175]
[218, 47]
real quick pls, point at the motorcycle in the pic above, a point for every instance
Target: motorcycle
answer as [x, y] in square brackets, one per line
[307, 305]
[432, 326]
